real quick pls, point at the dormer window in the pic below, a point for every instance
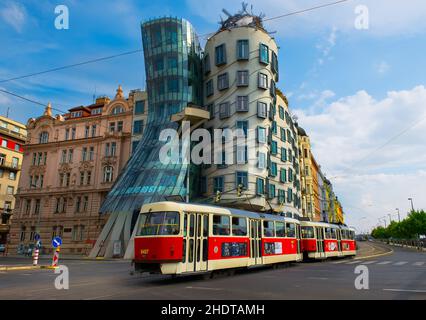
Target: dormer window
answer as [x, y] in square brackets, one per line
[76, 114]
[96, 111]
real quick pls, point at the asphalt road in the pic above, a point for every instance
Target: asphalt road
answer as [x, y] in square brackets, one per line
[401, 275]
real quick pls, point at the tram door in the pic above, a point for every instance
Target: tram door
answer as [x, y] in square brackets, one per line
[255, 242]
[195, 242]
[339, 240]
[320, 239]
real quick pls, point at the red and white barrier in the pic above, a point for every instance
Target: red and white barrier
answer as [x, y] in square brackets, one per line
[56, 257]
[35, 257]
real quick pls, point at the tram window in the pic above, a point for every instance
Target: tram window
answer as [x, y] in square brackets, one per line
[185, 224]
[198, 250]
[239, 226]
[184, 251]
[191, 251]
[221, 225]
[198, 225]
[308, 232]
[344, 235]
[328, 233]
[290, 230]
[268, 228]
[280, 229]
[191, 225]
[333, 233]
[352, 235]
[205, 226]
[159, 223]
[205, 251]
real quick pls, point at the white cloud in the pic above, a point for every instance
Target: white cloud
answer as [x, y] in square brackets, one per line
[373, 150]
[14, 14]
[387, 17]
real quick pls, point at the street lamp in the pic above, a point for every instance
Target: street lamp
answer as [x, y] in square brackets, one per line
[412, 205]
[399, 216]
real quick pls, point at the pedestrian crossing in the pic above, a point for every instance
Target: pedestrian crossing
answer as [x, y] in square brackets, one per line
[385, 262]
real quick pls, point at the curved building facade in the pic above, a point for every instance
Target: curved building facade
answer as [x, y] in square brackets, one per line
[240, 67]
[173, 67]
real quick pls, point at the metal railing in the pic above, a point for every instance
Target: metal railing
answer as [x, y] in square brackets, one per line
[419, 244]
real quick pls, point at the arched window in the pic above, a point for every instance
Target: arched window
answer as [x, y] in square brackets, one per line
[43, 137]
[118, 109]
[108, 173]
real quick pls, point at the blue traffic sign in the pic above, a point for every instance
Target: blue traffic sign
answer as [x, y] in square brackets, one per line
[37, 237]
[56, 242]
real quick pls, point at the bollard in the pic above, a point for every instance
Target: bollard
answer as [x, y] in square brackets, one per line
[56, 257]
[35, 257]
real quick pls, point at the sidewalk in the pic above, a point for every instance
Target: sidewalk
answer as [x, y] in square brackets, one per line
[370, 249]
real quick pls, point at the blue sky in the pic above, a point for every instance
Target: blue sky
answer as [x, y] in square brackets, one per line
[338, 79]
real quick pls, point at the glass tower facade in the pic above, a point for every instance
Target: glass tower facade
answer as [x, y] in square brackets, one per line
[172, 56]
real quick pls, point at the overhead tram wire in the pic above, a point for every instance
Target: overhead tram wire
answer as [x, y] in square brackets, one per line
[205, 36]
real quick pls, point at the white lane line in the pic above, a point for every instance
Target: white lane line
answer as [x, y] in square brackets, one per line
[400, 263]
[353, 262]
[369, 262]
[405, 290]
[317, 278]
[419, 263]
[205, 288]
[385, 262]
[341, 261]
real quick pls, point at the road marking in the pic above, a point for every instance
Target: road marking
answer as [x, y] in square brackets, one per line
[205, 288]
[405, 290]
[317, 278]
[353, 262]
[341, 261]
[418, 264]
[400, 263]
[385, 262]
[369, 262]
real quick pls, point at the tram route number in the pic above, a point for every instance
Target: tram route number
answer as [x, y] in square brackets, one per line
[213, 309]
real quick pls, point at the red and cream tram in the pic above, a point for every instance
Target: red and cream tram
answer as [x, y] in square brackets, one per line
[180, 238]
[324, 240]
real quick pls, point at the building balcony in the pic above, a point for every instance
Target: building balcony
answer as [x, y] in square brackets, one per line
[10, 166]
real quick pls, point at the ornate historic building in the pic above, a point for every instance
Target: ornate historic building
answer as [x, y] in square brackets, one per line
[12, 138]
[70, 163]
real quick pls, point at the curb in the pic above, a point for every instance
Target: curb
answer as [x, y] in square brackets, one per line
[19, 268]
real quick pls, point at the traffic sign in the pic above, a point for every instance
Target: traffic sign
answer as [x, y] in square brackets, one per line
[56, 242]
[37, 237]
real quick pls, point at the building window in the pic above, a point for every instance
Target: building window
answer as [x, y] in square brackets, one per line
[17, 147]
[241, 178]
[263, 53]
[281, 196]
[220, 53]
[27, 206]
[210, 109]
[37, 206]
[12, 175]
[10, 190]
[243, 50]
[263, 81]
[70, 155]
[108, 173]
[91, 153]
[22, 234]
[272, 89]
[271, 191]
[242, 104]
[86, 132]
[209, 88]
[260, 186]
[77, 204]
[274, 148]
[96, 111]
[138, 127]
[224, 110]
[273, 169]
[107, 148]
[261, 135]
[289, 195]
[274, 63]
[94, 130]
[111, 126]
[242, 125]
[81, 178]
[76, 114]
[290, 175]
[262, 109]
[222, 81]
[241, 154]
[283, 135]
[85, 203]
[283, 154]
[113, 149]
[84, 154]
[261, 164]
[117, 110]
[242, 78]
[218, 184]
[89, 177]
[119, 126]
[73, 132]
[43, 137]
[283, 175]
[281, 112]
[206, 64]
[15, 162]
[140, 107]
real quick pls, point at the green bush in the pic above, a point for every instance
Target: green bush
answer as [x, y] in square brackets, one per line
[410, 228]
